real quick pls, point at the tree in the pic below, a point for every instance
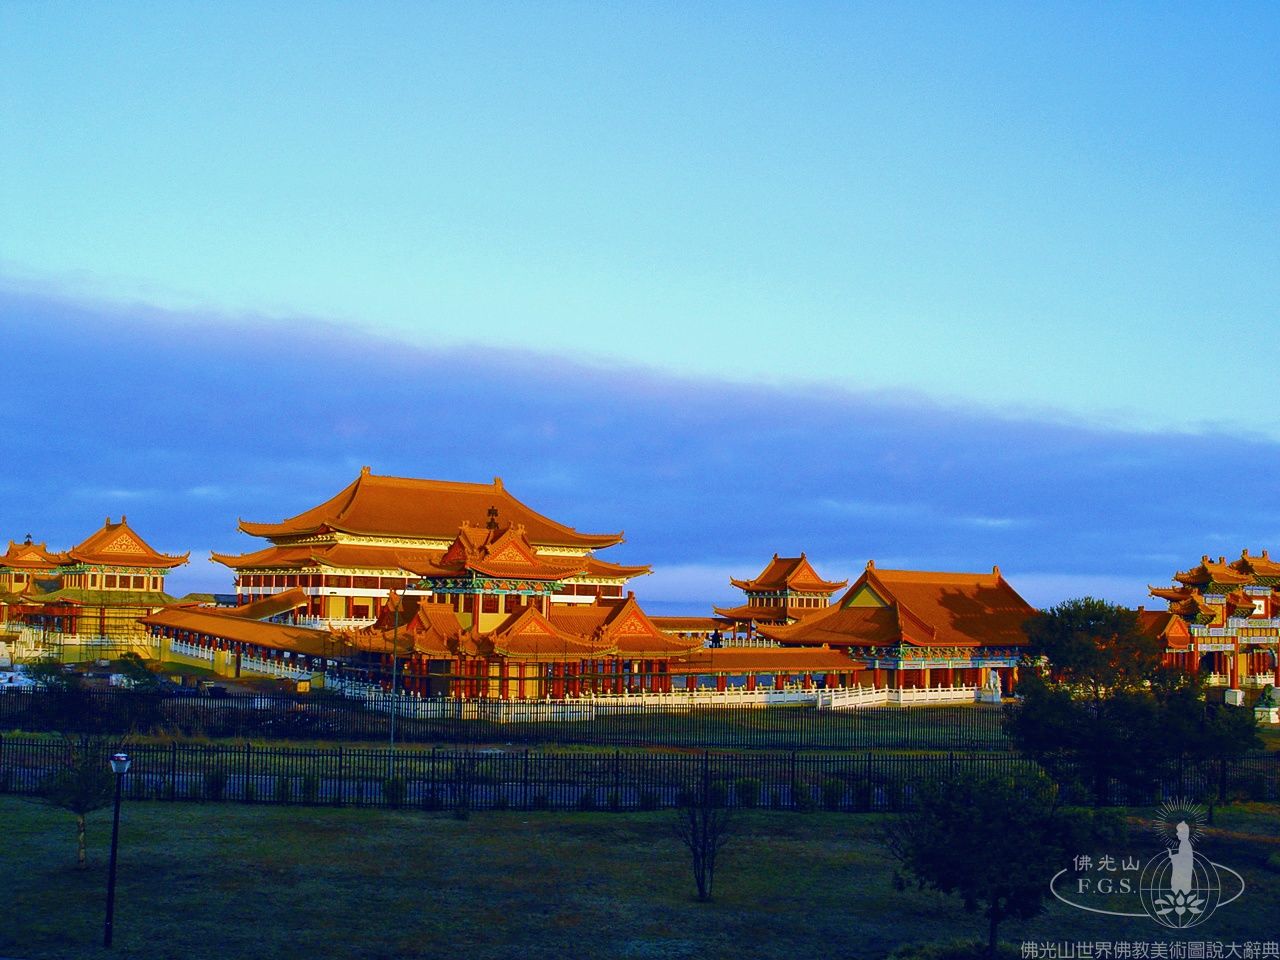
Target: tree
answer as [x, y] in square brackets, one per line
[1089, 711]
[995, 841]
[703, 824]
[64, 704]
[83, 783]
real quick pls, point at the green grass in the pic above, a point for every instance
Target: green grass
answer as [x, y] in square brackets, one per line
[230, 881]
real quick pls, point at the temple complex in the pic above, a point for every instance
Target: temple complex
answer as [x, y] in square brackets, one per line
[914, 629]
[26, 569]
[787, 589]
[483, 621]
[380, 534]
[1231, 612]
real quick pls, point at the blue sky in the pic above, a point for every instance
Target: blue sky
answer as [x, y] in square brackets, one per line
[906, 228]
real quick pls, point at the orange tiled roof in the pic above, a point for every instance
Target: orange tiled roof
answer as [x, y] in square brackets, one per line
[503, 554]
[427, 509]
[766, 660]
[1210, 572]
[1172, 594]
[921, 607]
[274, 636]
[691, 624]
[625, 625]
[1164, 625]
[528, 635]
[1262, 566]
[29, 556]
[422, 627]
[341, 556]
[603, 568]
[758, 613]
[789, 573]
[270, 606]
[117, 545]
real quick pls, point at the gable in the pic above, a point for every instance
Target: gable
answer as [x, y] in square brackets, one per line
[864, 596]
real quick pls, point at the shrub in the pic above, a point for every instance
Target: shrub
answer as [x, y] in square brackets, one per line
[540, 801]
[6, 777]
[310, 788]
[648, 800]
[747, 791]
[215, 783]
[250, 790]
[802, 796]
[284, 789]
[500, 801]
[587, 799]
[832, 793]
[775, 798]
[431, 799]
[393, 791]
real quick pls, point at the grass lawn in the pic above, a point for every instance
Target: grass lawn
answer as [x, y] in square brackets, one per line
[233, 881]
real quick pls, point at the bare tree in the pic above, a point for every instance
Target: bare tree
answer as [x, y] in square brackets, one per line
[703, 824]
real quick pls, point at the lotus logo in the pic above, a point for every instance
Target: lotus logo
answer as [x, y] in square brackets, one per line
[1177, 888]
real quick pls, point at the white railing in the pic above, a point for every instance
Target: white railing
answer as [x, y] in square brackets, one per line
[193, 650]
[1259, 680]
[1216, 679]
[274, 668]
[851, 698]
[744, 642]
[1237, 623]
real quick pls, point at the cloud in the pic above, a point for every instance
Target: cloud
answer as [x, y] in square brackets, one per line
[216, 418]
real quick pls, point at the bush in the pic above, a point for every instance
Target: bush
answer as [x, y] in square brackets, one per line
[310, 788]
[648, 800]
[284, 789]
[6, 777]
[540, 801]
[613, 800]
[500, 801]
[587, 799]
[832, 793]
[802, 796]
[431, 799]
[393, 792]
[215, 783]
[747, 790]
[775, 798]
[250, 790]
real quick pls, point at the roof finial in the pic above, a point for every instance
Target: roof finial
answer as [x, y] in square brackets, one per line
[996, 569]
[108, 520]
[123, 518]
[497, 482]
[365, 471]
[871, 564]
[28, 540]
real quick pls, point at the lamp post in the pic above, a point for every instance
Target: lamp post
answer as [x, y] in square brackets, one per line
[395, 676]
[119, 766]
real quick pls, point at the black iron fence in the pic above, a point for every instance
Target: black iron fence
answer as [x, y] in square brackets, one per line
[330, 717]
[463, 780]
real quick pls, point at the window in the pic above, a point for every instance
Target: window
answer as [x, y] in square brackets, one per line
[489, 603]
[110, 580]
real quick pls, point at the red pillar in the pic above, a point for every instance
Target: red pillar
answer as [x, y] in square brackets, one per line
[751, 681]
[720, 682]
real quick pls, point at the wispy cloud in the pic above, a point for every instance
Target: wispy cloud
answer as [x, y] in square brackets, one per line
[203, 423]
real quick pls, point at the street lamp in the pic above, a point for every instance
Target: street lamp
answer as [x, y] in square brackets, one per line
[119, 766]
